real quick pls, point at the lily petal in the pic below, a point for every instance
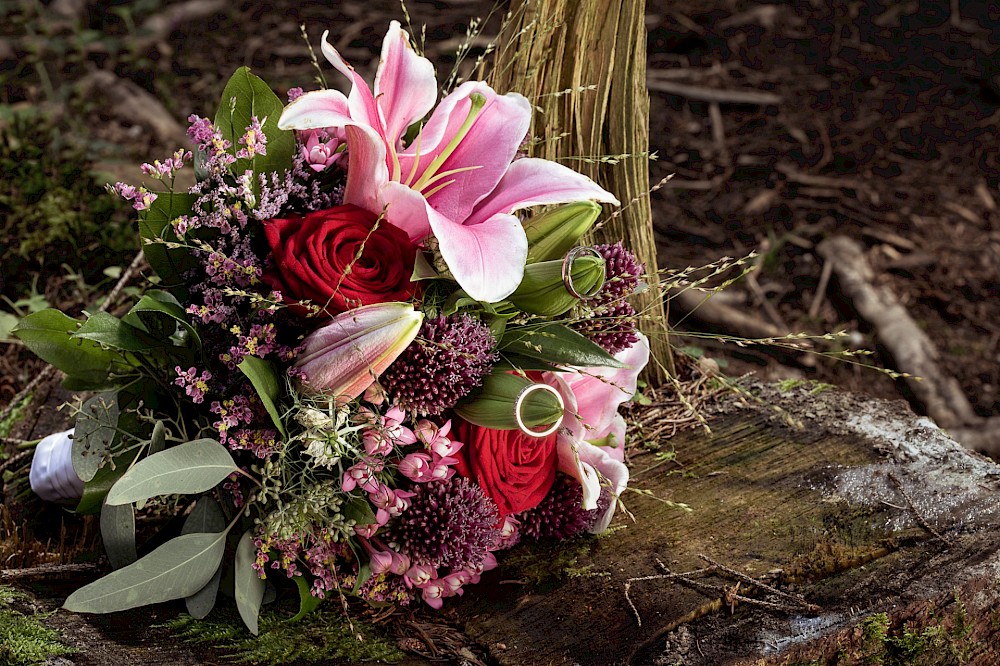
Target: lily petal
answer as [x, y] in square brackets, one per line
[534, 182]
[486, 259]
[316, 110]
[407, 210]
[483, 154]
[615, 474]
[368, 172]
[405, 87]
[360, 101]
[571, 463]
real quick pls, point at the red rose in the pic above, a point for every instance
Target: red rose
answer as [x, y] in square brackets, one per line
[316, 257]
[515, 470]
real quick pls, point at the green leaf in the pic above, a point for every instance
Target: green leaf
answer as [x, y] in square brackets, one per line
[247, 95]
[249, 586]
[155, 223]
[177, 569]
[206, 517]
[307, 602]
[510, 361]
[557, 344]
[94, 433]
[364, 573]
[158, 313]
[359, 510]
[110, 331]
[118, 534]
[7, 324]
[265, 381]
[189, 468]
[49, 335]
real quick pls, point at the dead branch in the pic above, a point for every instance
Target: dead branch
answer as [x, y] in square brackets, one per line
[716, 95]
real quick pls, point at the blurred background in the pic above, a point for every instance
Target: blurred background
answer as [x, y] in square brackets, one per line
[784, 124]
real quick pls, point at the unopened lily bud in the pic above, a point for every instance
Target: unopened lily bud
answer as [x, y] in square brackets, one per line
[496, 405]
[343, 358]
[543, 291]
[554, 233]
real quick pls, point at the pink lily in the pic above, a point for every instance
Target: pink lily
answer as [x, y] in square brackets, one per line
[592, 397]
[458, 180]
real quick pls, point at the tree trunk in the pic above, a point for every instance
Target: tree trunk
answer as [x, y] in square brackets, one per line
[582, 63]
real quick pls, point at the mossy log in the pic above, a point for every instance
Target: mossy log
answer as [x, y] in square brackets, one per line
[875, 533]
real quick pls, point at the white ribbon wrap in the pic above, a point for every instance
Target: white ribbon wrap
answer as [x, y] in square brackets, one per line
[52, 475]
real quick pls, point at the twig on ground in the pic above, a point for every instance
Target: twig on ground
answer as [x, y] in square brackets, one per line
[46, 570]
[703, 94]
[916, 514]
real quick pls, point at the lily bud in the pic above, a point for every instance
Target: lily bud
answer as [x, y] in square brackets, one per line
[344, 358]
[554, 233]
[544, 292]
[495, 406]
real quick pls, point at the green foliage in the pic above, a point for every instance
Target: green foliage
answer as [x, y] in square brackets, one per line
[940, 641]
[326, 636]
[25, 640]
[193, 467]
[51, 209]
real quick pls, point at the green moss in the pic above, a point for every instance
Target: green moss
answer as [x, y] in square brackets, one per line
[815, 387]
[51, 209]
[25, 640]
[545, 565]
[322, 636]
[939, 641]
[14, 416]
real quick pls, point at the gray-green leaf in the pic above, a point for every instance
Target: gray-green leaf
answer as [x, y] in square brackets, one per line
[118, 534]
[249, 586]
[189, 468]
[95, 430]
[177, 569]
[205, 517]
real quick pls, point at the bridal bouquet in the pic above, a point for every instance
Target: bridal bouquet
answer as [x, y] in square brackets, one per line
[371, 357]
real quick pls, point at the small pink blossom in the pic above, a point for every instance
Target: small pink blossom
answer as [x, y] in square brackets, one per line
[419, 574]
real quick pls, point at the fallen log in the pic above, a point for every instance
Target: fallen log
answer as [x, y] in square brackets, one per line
[825, 528]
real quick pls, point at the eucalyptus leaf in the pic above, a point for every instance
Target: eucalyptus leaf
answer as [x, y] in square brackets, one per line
[249, 586]
[265, 381]
[118, 534]
[177, 569]
[206, 517]
[94, 433]
[556, 344]
[158, 440]
[201, 603]
[247, 95]
[95, 490]
[157, 233]
[48, 334]
[189, 468]
[358, 509]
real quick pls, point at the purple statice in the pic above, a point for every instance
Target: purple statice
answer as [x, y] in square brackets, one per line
[166, 169]
[560, 515]
[448, 524]
[254, 141]
[450, 357]
[232, 412]
[316, 551]
[608, 319]
[382, 588]
[295, 93]
[297, 190]
[140, 197]
[262, 442]
[194, 385]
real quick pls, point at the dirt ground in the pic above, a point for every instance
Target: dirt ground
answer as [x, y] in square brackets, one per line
[884, 131]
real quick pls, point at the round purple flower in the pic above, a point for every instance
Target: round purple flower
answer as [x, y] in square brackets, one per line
[611, 325]
[450, 357]
[449, 524]
[622, 270]
[561, 515]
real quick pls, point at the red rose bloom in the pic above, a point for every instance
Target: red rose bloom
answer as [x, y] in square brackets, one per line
[514, 470]
[316, 258]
